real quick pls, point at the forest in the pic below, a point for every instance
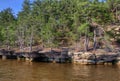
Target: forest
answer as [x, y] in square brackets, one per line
[83, 24]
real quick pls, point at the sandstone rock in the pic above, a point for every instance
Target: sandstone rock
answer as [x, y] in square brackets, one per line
[118, 63]
[88, 56]
[85, 61]
[100, 62]
[108, 63]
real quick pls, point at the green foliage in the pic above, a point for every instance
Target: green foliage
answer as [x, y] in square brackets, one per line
[83, 27]
[7, 26]
[51, 22]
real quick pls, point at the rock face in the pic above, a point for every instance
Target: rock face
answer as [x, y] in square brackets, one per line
[98, 58]
[84, 58]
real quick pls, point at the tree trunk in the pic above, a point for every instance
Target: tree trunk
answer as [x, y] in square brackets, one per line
[7, 39]
[20, 35]
[86, 43]
[31, 40]
[79, 41]
[95, 41]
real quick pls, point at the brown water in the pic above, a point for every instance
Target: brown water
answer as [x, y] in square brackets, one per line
[12, 70]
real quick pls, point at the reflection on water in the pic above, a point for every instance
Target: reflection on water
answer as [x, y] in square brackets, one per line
[12, 70]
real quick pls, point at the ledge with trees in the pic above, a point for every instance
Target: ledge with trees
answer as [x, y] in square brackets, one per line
[83, 25]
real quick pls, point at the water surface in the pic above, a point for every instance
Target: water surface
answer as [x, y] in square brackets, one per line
[12, 70]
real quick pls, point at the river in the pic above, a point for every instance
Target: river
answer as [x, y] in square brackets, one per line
[12, 70]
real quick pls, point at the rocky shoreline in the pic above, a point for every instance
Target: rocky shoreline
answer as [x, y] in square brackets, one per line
[64, 55]
[88, 58]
